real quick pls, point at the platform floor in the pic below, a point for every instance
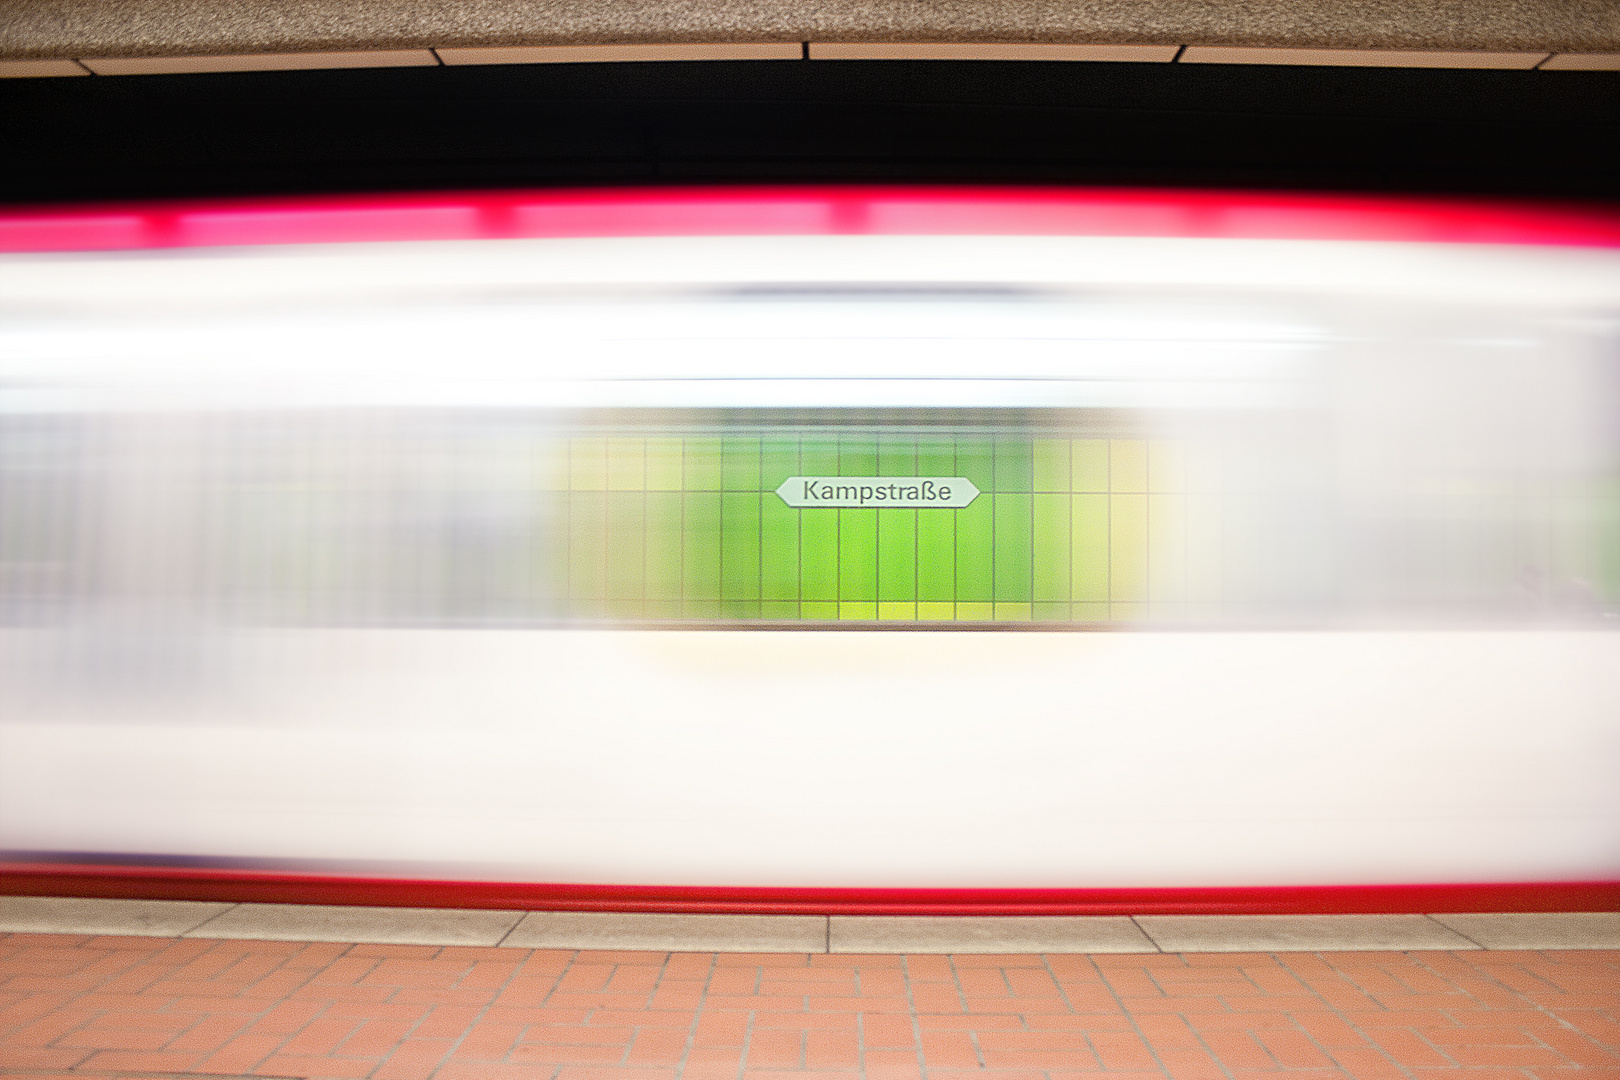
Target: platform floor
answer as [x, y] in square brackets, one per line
[148, 990]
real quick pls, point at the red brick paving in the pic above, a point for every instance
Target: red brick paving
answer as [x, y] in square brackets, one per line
[99, 1008]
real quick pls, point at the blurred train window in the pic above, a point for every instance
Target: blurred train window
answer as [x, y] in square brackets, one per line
[1164, 431]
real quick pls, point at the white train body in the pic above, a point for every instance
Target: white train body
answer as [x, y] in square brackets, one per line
[1297, 561]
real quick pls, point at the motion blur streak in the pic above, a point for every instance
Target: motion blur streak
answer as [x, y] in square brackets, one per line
[466, 558]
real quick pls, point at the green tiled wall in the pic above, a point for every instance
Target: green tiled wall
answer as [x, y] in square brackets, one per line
[1068, 530]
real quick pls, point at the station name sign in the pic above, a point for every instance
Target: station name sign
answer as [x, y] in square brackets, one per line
[910, 492]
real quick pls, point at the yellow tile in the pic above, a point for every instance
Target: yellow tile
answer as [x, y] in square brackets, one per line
[818, 609]
[587, 464]
[1089, 465]
[1127, 465]
[897, 609]
[1012, 612]
[935, 612]
[587, 546]
[857, 609]
[1090, 612]
[1136, 613]
[974, 612]
[1051, 547]
[626, 464]
[1050, 462]
[663, 464]
[1127, 547]
[1088, 547]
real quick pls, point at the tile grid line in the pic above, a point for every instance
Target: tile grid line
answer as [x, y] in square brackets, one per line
[472, 1026]
[1539, 1007]
[291, 1036]
[1129, 1016]
[1454, 930]
[652, 994]
[798, 524]
[210, 919]
[1193, 1028]
[992, 524]
[916, 1023]
[916, 535]
[1295, 1025]
[1367, 1042]
[1253, 1035]
[510, 931]
[362, 1024]
[1143, 931]
[747, 1042]
[993, 446]
[962, 996]
[1366, 1039]
[1305, 1033]
[1423, 1036]
[1296, 975]
[759, 533]
[90, 1017]
[697, 1016]
[1563, 1025]
[1063, 993]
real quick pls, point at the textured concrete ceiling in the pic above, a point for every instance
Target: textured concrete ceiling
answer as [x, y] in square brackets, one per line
[63, 28]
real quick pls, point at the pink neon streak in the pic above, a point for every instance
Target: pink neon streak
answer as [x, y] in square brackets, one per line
[810, 211]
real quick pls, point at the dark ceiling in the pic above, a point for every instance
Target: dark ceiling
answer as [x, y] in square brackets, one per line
[1531, 133]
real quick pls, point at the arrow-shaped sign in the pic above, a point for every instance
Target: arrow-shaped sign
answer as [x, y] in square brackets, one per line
[910, 492]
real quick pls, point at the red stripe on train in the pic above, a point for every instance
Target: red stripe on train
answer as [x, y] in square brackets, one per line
[251, 886]
[804, 211]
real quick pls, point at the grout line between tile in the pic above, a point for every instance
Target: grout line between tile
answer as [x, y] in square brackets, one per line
[483, 1010]
[510, 930]
[1130, 1017]
[205, 922]
[697, 1015]
[827, 946]
[1144, 930]
[1334, 1053]
[1454, 930]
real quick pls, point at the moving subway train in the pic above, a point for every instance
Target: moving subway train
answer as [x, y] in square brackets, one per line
[813, 549]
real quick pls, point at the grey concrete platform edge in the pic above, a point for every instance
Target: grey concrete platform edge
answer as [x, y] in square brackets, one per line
[811, 933]
[55, 29]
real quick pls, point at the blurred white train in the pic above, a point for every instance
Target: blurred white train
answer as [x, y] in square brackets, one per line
[433, 550]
